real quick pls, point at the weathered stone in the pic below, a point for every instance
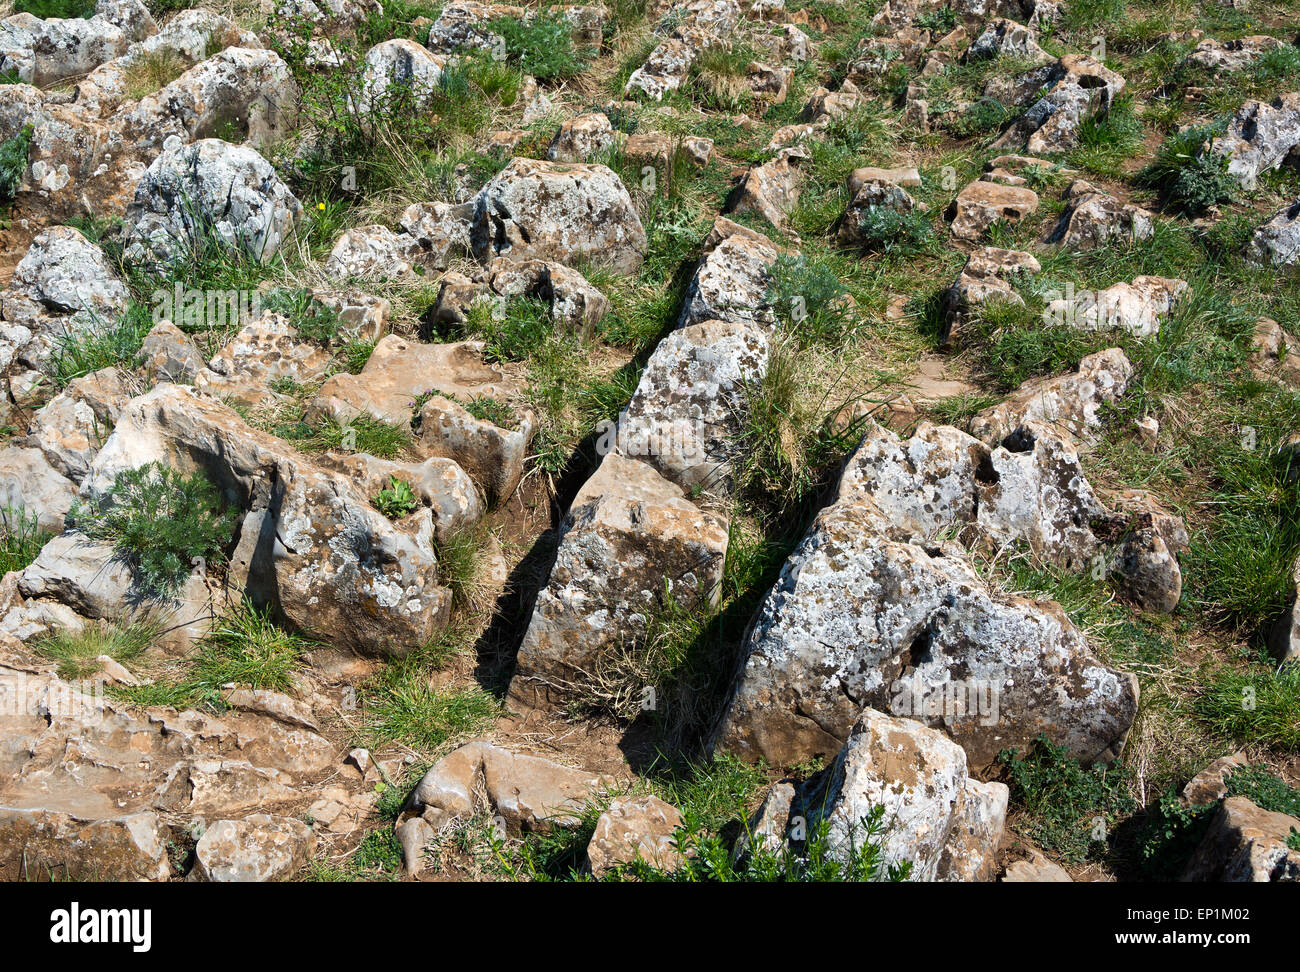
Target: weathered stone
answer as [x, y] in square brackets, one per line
[1277, 241]
[71, 427]
[492, 456]
[582, 137]
[635, 828]
[1245, 843]
[439, 484]
[529, 793]
[1232, 55]
[399, 371]
[731, 280]
[375, 252]
[981, 204]
[209, 190]
[330, 562]
[772, 189]
[1210, 785]
[629, 539]
[251, 91]
[29, 483]
[1259, 137]
[982, 280]
[169, 354]
[686, 414]
[260, 847]
[1138, 307]
[535, 210]
[919, 777]
[1070, 404]
[1094, 218]
[398, 64]
[858, 619]
[1064, 93]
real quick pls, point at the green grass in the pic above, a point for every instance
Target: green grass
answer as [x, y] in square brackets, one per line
[1259, 705]
[162, 521]
[114, 346]
[411, 712]
[1107, 141]
[1186, 175]
[245, 648]
[541, 45]
[460, 565]
[64, 9]
[76, 651]
[365, 433]
[787, 445]
[21, 538]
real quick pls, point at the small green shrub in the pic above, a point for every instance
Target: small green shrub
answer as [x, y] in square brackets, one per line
[1169, 836]
[13, 163]
[63, 9]
[809, 298]
[161, 520]
[986, 116]
[889, 231]
[541, 45]
[1186, 174]
[1070, 809]
[1265, 790]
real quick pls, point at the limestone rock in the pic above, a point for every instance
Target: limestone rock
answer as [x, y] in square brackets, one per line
[529, 793]
[535, 210]
[635, 828]
[260, 847]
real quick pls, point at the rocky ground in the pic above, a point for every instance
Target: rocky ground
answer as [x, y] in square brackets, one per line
[737, 439]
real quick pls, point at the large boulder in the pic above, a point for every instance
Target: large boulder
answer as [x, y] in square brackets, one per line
[209, 191]
[630, 538]
[1277, 241]
[731, 280]
[1246, 843]
[946, 825]
[91, 788]
[873, 610]
[398, 64]
[1260, 136]
[314, 547]
[260, 847]
[249, 91]
[686, 414]
[563, 212]
[1060, 96]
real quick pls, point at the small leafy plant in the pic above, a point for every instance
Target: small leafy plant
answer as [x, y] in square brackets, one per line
[1070, 809]
[161, 520]
[13, 163]
[1187, 174]
[397, 499]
